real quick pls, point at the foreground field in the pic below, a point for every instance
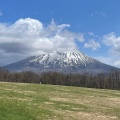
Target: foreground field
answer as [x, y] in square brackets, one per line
[20, 101]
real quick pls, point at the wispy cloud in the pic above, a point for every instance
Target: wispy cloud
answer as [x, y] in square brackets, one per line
[101, 14]
[28, 37]
[91, 33]
[92, 44]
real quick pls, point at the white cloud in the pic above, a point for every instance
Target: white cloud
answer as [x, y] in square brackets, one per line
[28, 37]
[91, 33]
[113, 42]
[92, 44]
[101, 14]
[1, 13]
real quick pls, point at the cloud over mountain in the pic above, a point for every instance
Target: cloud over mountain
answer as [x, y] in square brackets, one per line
[28, 37]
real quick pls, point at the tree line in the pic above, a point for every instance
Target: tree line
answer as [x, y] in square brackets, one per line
[103, 80]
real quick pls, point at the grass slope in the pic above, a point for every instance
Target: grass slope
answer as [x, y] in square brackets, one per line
[20, 101]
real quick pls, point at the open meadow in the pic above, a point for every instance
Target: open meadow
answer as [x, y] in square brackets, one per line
[21, 101]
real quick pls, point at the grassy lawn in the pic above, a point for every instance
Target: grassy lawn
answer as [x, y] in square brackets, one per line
[20, 101]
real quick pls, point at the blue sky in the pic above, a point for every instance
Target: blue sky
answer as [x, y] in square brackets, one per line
[31, 27]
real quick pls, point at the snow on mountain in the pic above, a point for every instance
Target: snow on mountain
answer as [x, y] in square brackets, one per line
[63, 59]
[66, 62]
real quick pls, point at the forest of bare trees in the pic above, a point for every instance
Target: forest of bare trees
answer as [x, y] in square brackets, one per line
[103, 81]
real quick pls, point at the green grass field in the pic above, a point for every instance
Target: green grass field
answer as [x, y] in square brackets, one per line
[20, 101]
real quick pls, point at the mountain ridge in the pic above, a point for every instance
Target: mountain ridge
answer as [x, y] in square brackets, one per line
[72, 61]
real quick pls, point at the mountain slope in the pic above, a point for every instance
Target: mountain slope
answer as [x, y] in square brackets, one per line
[67, 62]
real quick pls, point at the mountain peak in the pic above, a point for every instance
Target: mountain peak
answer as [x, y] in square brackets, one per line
[72, 61]
[69, 58]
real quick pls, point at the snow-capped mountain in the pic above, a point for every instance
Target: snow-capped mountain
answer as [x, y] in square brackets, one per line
[66, 62]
